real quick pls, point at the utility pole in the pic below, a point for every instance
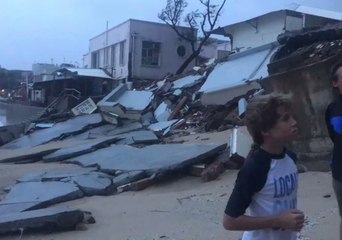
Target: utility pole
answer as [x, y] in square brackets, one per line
[105, 55]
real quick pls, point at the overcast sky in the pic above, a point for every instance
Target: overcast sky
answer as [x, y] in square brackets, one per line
[42, 31]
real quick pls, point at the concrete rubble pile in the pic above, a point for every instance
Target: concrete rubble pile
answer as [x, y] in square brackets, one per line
[301, 48]
[121, 146]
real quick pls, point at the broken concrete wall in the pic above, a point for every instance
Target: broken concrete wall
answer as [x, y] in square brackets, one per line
[311, 92]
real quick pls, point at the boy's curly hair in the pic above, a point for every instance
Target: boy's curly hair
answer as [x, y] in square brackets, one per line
[261, 114]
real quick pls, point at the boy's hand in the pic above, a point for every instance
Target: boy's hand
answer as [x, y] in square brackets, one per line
[292, 220]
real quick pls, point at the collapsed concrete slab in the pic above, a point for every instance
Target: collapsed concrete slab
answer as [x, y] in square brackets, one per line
[22, 155]
[94, 133]
[60, 217]
[127, 126]
[125, 103]
[165, 157]
[108, 130]
[162, 127]
[35, 195]
[128, 177]
[59, 130]
[138, 137]
[95, 184]
[78, 150]
[55, 175]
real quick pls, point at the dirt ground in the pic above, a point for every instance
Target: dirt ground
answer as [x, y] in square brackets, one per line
[183, 208]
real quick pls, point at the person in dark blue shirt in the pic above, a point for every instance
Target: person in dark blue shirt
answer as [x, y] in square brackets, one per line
[333, 119]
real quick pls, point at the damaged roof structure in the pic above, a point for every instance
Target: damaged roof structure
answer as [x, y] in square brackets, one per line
[237, 76]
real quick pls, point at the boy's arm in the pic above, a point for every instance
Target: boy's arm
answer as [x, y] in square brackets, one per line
[292, 220]
[250, 180]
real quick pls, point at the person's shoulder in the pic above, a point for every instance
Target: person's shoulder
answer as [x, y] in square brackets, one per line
[256, 162]
[292, 155]
[255, 170]
[258, 157]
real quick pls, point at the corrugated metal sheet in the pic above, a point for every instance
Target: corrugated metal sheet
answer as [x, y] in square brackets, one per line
[240, 69]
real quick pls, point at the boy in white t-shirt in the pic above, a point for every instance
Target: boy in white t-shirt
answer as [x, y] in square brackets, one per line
[267, 183]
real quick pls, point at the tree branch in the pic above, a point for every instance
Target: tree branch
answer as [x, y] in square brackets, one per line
[172, 15]
[218, 14]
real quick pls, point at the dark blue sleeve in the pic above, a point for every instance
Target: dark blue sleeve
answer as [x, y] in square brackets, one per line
[292, 155]
[250, 180]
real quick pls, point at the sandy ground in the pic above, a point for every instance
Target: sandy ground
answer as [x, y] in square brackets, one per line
[183, 208]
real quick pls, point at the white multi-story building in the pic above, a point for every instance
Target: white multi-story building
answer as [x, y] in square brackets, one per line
[138, 49]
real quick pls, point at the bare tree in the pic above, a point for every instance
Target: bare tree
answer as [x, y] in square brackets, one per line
[172, 15]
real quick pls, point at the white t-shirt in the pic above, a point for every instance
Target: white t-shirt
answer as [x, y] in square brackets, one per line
[266, 185]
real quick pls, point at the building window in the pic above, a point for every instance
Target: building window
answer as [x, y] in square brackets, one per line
[122, 53]
[150, 53]
[112, 59]
[181, 51]
[95, 59]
